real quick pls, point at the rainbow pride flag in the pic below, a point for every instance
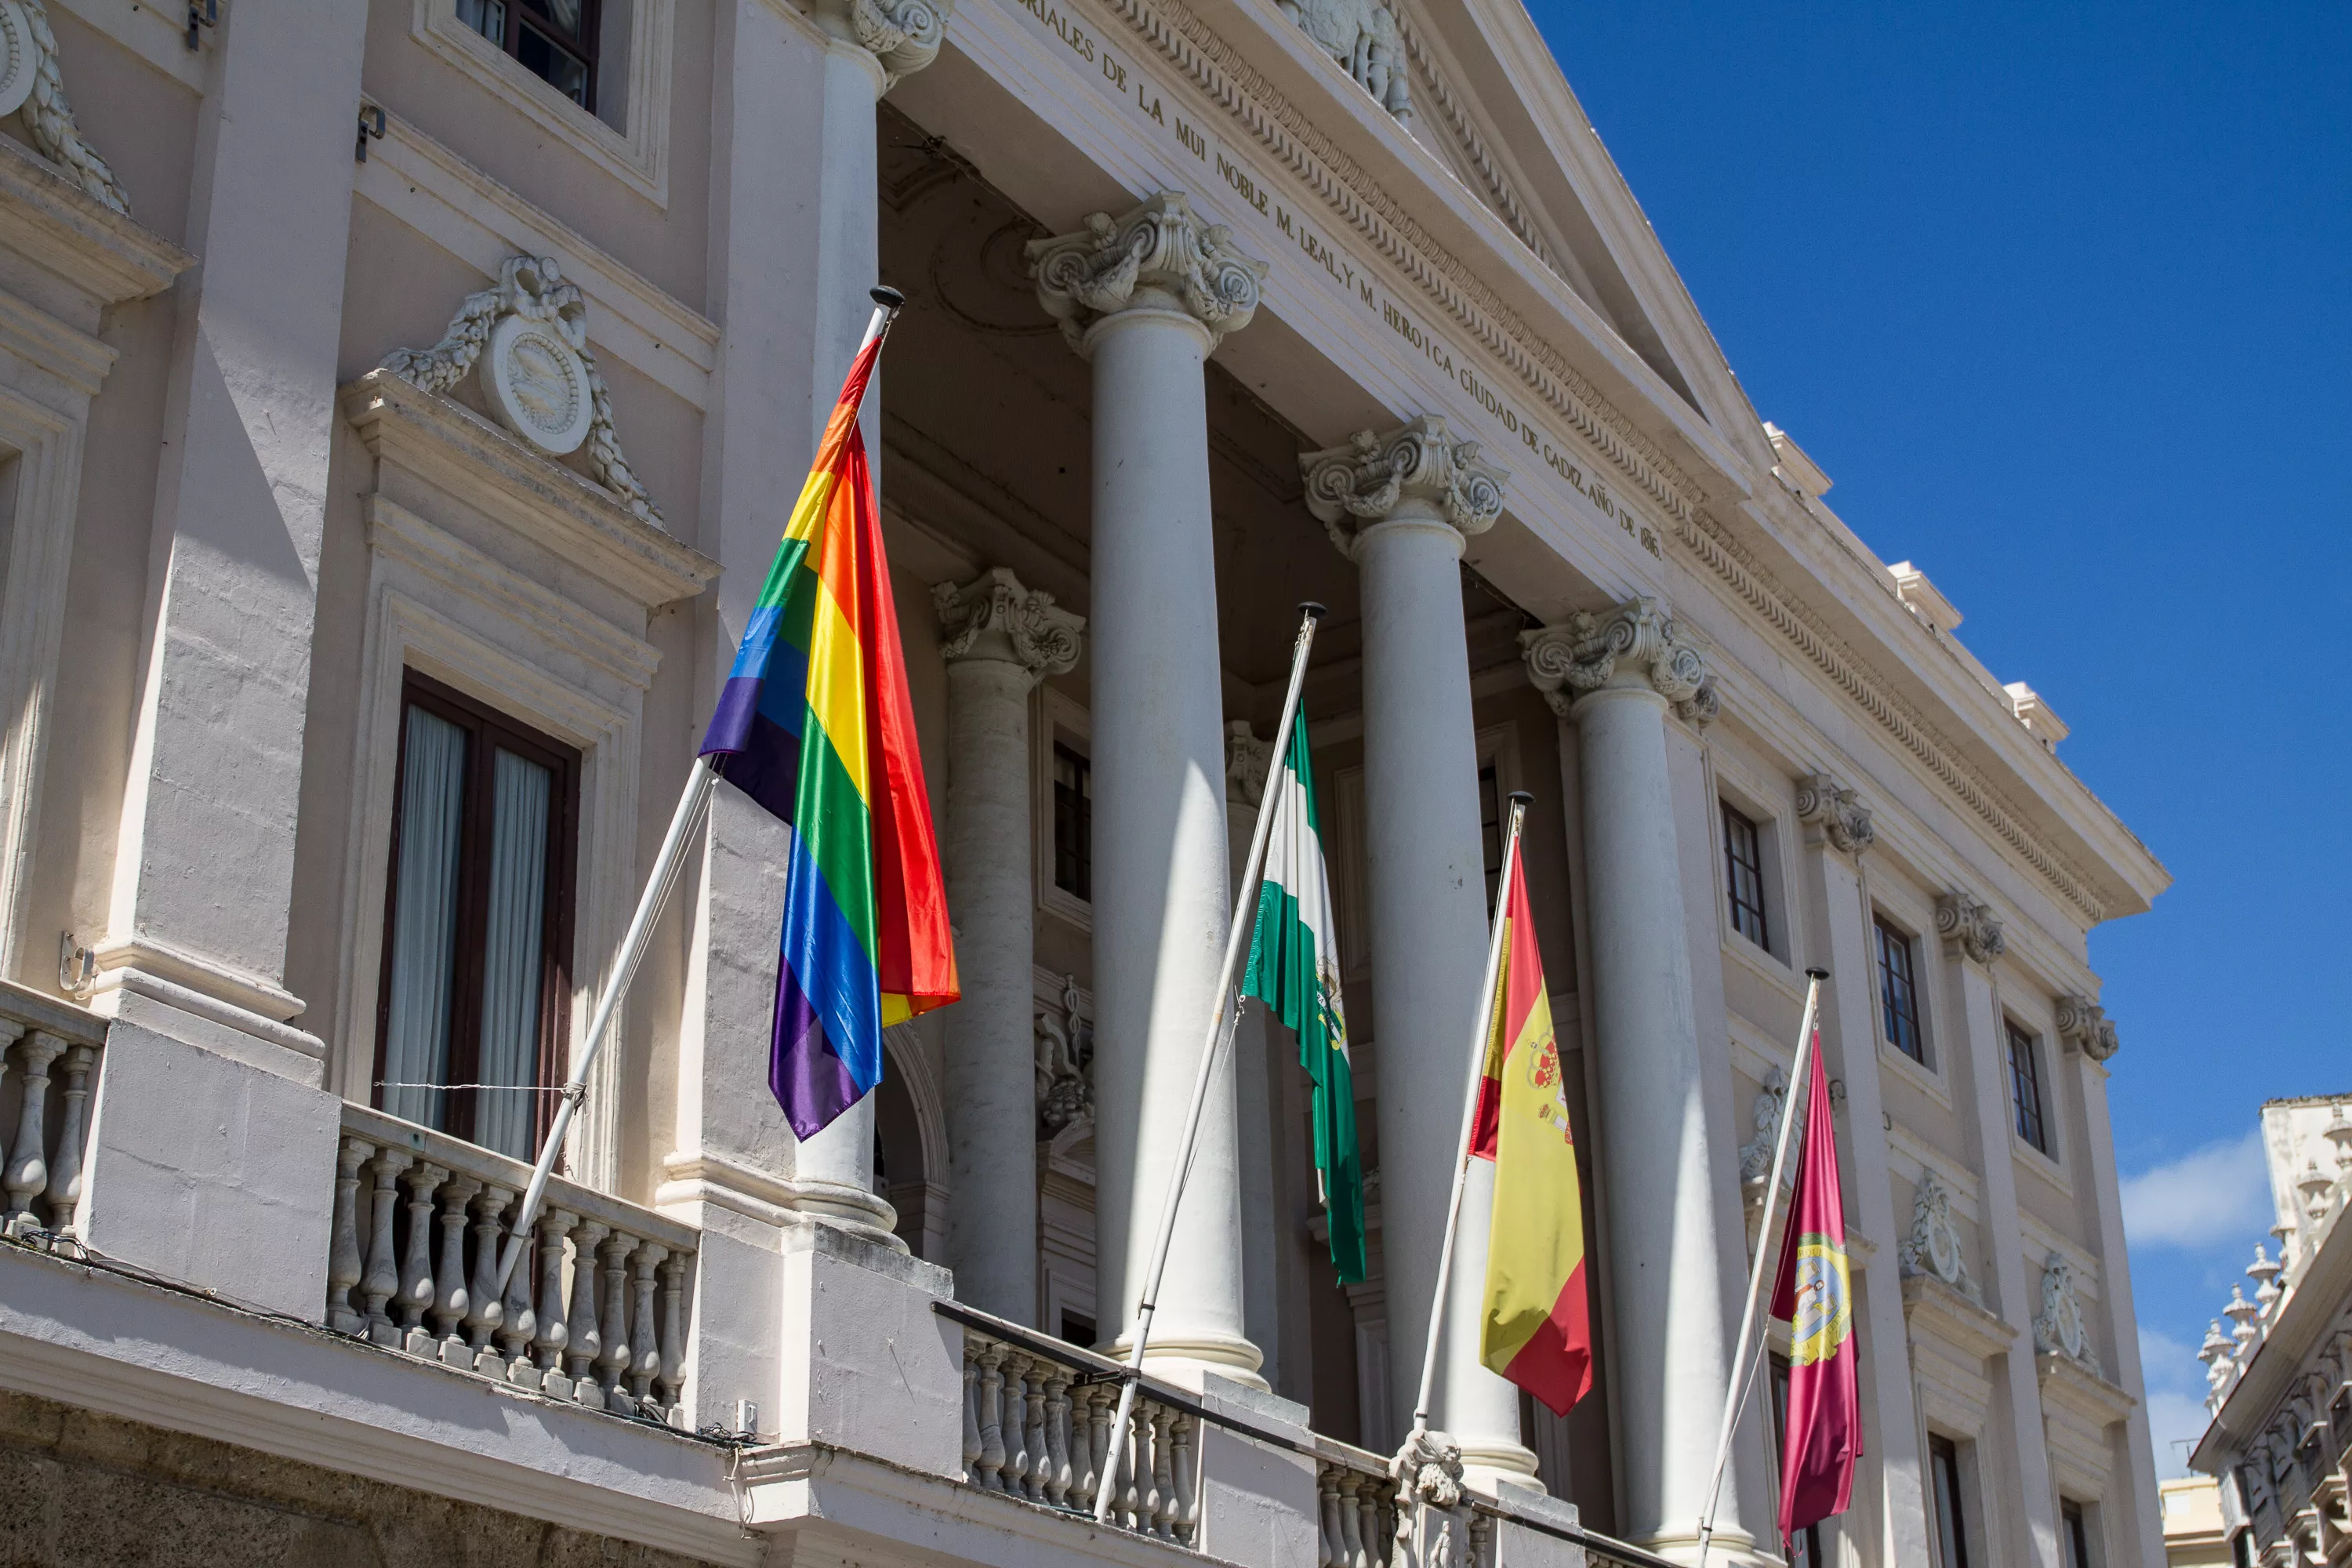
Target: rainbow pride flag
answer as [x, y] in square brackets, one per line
[816, 725]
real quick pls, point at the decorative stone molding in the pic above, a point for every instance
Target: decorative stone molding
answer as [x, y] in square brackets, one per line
[1363, 37]
[1065, 1050]
[2084, 1025]
[31, 82]
[1933, 1247]
[1434, 1512]
[2059, 1329]
[527, 341]
[1833, 814]
[1971, 926]
[1583, 654]
[1246, 760]
[1756, 1154]
[1416, 471]
[1159, 255]
[995, 616]
[903, 35]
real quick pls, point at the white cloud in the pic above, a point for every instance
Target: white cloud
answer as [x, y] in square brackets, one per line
[2216, 1193]
[2176, 1399]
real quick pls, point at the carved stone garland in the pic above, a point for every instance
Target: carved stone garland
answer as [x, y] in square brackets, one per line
[1160, 248]
[528, 338]
[2085, 1025]
[1834, 814]
[2060, 1330]
[1419, 468]
[1933, 1247]
[30, 81]
[1969, 925]
[1582, 654]
[1364, 37]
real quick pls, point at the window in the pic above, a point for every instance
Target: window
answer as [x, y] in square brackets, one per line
[1743, 864]
[1074, 824]
[472, 1014]
[1808, 1545]
[2339, 1417]
[2241, 1549]
[1951, 1527]
[555, 39]
[2025, 1087]
[1898, 991]
[2076, 1531]
[1077, 1330]
[1490, 826]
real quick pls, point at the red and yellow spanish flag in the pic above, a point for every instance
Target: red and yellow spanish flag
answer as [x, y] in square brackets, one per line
[1821, 1435]
[1537, 1329]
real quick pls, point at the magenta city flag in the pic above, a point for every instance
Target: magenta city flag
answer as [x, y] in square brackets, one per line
[1822, 1437]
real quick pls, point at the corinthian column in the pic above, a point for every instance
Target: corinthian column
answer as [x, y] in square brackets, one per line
[1147, 298]
[1001, 639]
[1400, 505]
[1617, 676]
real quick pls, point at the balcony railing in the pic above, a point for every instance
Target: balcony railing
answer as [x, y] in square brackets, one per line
[48, 1056]
[1358, 1498]
[594, 1314]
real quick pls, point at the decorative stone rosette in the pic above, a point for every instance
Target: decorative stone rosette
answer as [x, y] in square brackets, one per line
[1969, 925]
[527, 342]
[2084, 1024]
[1160, 254]
[1835, 814]
[1586, 652]
[904, 35]
[996, 616]
[1416, 470]
[32, 84]
[2059, 1329]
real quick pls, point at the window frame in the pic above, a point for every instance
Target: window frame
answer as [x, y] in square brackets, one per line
[2030, 1123]
[2077, 1534]
[1082, 851]
[1753, 901]
[1947, 1499]
[488, 730]
[588, 53]
[1884, 929]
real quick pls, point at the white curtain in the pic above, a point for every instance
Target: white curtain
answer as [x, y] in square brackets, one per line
[424, 918]
[512, 960]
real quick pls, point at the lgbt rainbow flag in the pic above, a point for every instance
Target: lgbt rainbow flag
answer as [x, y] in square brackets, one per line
[816, 725]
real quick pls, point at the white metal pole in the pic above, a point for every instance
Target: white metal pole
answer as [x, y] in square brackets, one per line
[1736, 1394]
[1520, 801]
[1220, 1030]
[690, 806]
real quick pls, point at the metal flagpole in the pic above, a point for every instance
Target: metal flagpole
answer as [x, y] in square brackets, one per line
[1520, 801]
[1736, 1396]
[691, 805]
[1221, 1025]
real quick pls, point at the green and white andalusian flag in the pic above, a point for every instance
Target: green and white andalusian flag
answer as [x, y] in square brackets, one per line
[1293, 967]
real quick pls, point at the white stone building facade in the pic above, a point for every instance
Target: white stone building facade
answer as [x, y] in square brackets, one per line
[399, 404]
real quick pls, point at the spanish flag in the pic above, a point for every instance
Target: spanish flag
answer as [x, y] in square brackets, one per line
[1537, 1331]
[816, 725]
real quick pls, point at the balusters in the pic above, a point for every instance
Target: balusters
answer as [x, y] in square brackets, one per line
[1181, 1466]
[452, 1302]
[586, 1342]
[1102, 1406]
[382, 1281]
[28, 1171]
[483, 1309]
[972, 1450]
[1152, 1425]
[644, 1350]
[1016, 1423]
[1356, 1542]
[991, 1426]
[669, 1384]
[1041, 1463]
[553, 1333]
[518, 1323]
[416, 1293]
[1058, 1436]
[612, 1361]
[1134, 1461]
[343, 1246]
[1328, 1548]
[64, 1172]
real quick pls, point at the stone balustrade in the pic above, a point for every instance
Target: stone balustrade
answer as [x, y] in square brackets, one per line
[1357, 1496]
[49, 1060]
[594, 1314]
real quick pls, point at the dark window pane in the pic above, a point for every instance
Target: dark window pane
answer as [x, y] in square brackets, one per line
[1899, 993]
[1951, 1527]
[562, 69]
[488, 17]
[1744, 877]
[1074, 824]
[2025, 1087]
[1490, 828]
[2077, 1534]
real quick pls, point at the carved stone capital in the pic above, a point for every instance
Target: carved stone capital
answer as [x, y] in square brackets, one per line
[1159, 257]
[1418, 471]
[1971, 926]
[1833, 814]
[995, 616]
[1636, 643]
[2084, 1025]
[1246, 760]
[903, 35]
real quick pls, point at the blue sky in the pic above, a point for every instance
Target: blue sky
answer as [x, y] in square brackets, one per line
[2061, 297]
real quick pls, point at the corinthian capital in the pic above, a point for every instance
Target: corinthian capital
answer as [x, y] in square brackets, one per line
[996, 618]
[2084, 1025]
[1159, 257]
[1833, 814]
[1636, 643]
[1418, 471]
[903, 35]
[1246, 760]
[1969, 925]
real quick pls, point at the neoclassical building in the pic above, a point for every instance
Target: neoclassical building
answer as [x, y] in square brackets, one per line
[399, 405]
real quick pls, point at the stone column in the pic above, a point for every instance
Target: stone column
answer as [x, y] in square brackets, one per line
[1400, 504]
[1617, 676]
[1258, 1040]
[1147, 298]
[1001, 638]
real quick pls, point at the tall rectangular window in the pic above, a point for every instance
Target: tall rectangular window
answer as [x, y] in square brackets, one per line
[1074, 824]
[1808, 1544]
[555, 39]
[1490, 828]
[1951, 1523]
[2075, 1527]
[2025, 1087]
[1743, 865]
[471, 1015]
[1898, 991]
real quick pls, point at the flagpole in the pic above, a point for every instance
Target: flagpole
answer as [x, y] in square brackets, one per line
[1736, 1394]
[1520, 801]
[691, 803]
[1220, 1030]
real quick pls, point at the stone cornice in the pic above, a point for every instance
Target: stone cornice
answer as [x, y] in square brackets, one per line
[1932, 1307]
[102, 251]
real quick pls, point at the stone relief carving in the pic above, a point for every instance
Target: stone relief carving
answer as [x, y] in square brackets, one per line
[1833, 814]
[1756, 1154]
[1066, 1054]
[527, 342]
[1433, 1514]
[31, 82]
[1363, 37]
[2059, 1330]
[1582, 654]
[2084, 1025]
[1246, 760]
[1969, 925]
[1418, 469]
[1933, 1247]
[905, 36]
[1160, 253]
[996, 616]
